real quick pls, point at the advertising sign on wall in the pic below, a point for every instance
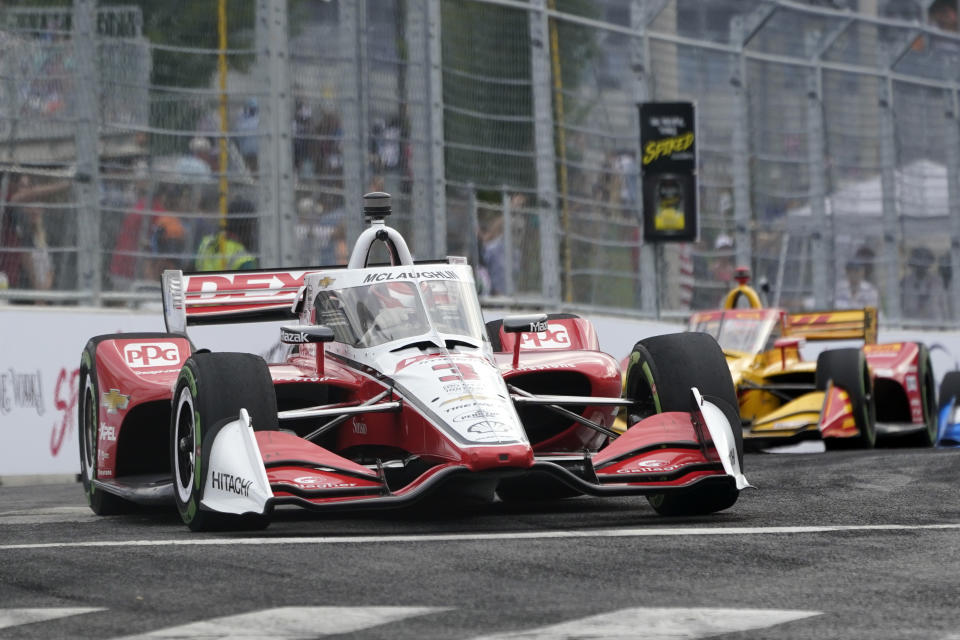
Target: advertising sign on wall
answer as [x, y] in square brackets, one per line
[668, 171]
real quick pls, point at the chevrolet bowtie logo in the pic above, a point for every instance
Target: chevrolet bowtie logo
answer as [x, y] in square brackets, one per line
[325, 282]
[114, 400]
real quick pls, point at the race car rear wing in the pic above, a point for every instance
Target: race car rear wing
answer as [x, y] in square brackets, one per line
[847, 324]
[230, 296]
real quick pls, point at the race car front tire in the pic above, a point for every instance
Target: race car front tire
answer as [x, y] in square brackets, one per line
[211, 389]
[927, 437]
[660, 373]
[847, 369]
[102, 503]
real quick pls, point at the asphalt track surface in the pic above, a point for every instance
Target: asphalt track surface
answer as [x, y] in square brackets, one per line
[835, 545]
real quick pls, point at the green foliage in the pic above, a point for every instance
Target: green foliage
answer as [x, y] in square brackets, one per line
[194, 24]
[487, 87]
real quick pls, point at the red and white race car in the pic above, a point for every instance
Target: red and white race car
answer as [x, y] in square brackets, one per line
[394, 390]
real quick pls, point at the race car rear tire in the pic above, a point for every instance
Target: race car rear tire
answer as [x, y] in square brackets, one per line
[660, 372]
[848, 369]
[211, 389]
[102, 503]
[928, 386]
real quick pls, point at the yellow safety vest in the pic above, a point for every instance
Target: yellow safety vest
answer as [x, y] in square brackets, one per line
[234, 258]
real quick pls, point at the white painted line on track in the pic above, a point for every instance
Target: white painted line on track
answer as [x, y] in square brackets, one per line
[669, 623]
[474, 537]
[48, 515]
[289, 623]
[16, 617]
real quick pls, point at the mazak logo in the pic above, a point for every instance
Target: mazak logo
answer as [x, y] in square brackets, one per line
[552, 336]
[293, 337]
[138, 355]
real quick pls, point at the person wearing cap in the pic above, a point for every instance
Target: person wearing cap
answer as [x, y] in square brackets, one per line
[855, 291]
[237, 236]
[722, 268]
[922, 294]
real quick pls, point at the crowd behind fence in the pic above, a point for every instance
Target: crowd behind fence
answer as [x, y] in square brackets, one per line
[507, 131]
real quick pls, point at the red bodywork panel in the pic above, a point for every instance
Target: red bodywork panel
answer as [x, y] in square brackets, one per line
[130, 373]
[836, 417]
[563, 333]
[900, 362]
[662, 450]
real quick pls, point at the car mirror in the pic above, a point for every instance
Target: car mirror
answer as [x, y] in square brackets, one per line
[305, 334]
[527, 323]
[783, 344]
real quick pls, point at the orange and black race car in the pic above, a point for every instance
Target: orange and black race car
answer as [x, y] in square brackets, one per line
[849, 397]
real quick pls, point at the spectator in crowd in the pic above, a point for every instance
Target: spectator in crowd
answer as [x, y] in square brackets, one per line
[722, 267]
[249, 124]
[855, 291]
[921, 291]
[302, 130]
[30, 263]
[131, 238]
[492, 255]
[943, 14]
[946, 276]
[167, 235]
[237, 240]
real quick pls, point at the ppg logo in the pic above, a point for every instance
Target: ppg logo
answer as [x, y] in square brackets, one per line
[151, 354]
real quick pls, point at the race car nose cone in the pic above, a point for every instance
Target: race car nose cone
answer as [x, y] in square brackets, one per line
[512, 456]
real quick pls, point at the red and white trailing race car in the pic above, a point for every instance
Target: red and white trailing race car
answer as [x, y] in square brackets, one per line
[394, 390]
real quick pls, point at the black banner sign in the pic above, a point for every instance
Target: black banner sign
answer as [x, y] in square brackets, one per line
[668, 171]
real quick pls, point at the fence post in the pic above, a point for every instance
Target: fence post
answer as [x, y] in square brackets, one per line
[639, 62]
[353, 48]
[86, 141]
[888, 176]
[275, 164]
[423, 44]
[953, 196]
[816, 161]
[508, 267]
[546, 163]
[438, 183]
[740, 148]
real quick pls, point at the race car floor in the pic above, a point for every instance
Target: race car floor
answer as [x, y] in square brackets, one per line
[830, 545]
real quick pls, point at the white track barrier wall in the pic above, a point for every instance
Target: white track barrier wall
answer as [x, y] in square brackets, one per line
[40, 359]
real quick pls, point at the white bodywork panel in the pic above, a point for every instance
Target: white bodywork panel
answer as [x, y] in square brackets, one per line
[235, 479]
[721, 432]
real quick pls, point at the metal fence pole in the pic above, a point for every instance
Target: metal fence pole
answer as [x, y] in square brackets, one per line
[281, 118]
[86, 140]
[353, 105]
[888, 176]
[816, 157]
[275, 162]
[639, 62]
[545, 149]
[740, 149]
[418, 108]
[953, 193]
[438, 185]
[507, 240]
